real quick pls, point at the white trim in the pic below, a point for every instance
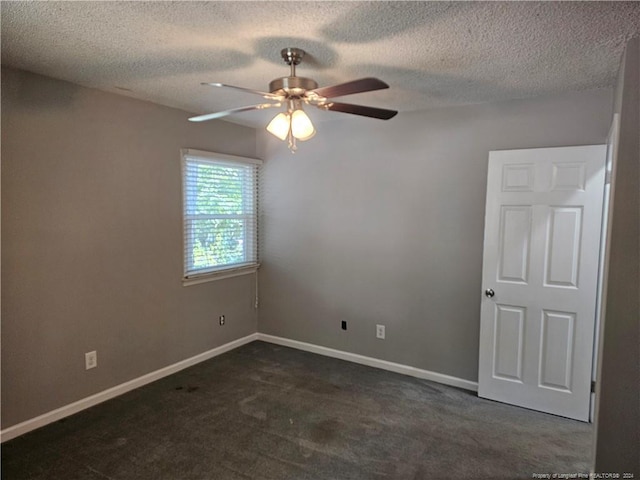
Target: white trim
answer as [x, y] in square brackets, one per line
[75, 407]
[62, 412]
[372, 362]
[192, 152]
[220, 274]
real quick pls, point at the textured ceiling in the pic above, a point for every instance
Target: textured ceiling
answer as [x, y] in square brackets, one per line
[432, 54]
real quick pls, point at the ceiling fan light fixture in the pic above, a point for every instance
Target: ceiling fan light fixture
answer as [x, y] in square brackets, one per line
[301, 126]
[280, 125]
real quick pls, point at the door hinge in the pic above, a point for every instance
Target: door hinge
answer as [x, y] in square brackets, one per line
[607, 177]
[593, 386]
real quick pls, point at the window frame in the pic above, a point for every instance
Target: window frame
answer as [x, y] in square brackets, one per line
[232, 270]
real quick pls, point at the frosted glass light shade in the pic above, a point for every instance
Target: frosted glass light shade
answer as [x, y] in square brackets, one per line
[279, 126]
[301, 126]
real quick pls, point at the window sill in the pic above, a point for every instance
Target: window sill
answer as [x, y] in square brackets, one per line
[219, 275]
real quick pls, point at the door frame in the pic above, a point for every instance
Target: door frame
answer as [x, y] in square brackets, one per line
[605, 233]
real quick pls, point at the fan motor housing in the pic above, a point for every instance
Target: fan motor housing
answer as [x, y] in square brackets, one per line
[292, 85]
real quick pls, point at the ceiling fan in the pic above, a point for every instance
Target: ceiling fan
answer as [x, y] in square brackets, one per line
[293, 92]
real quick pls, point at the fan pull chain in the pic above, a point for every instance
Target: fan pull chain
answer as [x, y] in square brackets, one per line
[292, 142]
[291, 139]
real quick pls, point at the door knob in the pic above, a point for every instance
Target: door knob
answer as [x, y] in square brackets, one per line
[489, 292]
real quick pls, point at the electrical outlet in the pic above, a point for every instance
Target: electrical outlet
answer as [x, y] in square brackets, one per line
[380, 331]
[221, 319]
[344, 324]
[90, 360]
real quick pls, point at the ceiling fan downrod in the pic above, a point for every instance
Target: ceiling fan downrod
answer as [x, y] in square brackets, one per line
[292, 56]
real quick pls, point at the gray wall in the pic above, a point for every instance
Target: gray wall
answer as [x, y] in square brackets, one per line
[618, 417]
[370, 222]
[382, 222]
[92, 243]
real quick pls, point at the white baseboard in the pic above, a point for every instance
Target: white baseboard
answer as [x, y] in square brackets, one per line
[75, 407]
[67, 410]
[372, 362]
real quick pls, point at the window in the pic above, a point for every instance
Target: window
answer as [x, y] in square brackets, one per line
[220, 221]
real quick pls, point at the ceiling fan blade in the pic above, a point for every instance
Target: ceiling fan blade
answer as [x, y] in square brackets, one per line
[381, 113]
[270, 96]
[211, 116]
[368, 84]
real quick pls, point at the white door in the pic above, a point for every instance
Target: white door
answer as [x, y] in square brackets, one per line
[540, 271]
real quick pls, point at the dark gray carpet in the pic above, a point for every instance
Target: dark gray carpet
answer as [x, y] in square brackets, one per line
[269, 412]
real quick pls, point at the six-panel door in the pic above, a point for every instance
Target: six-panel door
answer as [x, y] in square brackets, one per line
[541, 248]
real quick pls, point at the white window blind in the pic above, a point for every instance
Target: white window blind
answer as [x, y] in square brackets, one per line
[220, 212]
